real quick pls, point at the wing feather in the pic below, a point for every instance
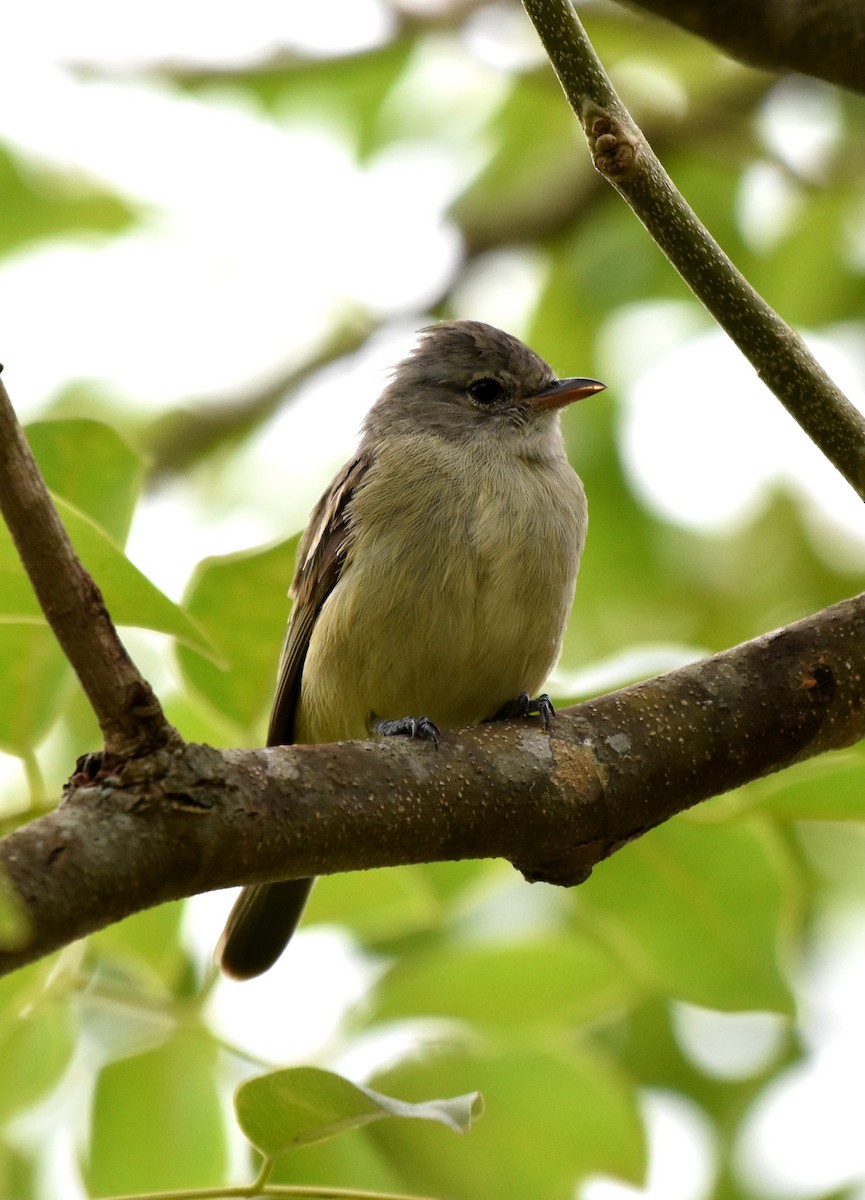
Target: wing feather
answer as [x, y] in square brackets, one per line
[320, 558]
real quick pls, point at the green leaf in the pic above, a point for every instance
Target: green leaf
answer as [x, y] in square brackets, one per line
[807, 257]
[18, 603]
[18, 1171]
[533, 137]
[157, 1120]
[37, 1038]
[146, 946]
[698, 910]
[350, 1162]
[554, 1117]
[89, 464]
[34, 672]
[825, 789]
[129, 595]
[553, 979]
[301, 1105]
[240, 601]
[379, 905]
[38, 203]
[131, 598]
[346, 90]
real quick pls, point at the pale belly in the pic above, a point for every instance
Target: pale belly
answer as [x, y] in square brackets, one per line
[445, 619]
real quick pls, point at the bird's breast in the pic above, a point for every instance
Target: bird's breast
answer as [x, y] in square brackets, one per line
[454, 595]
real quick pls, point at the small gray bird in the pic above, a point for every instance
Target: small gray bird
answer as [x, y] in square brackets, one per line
[435, 577]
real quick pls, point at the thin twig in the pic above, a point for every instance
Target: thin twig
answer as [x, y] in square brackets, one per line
[128, 713]
[286, 1191]
[622, 155]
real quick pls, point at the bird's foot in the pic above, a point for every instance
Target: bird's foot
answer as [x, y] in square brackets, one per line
[525, 706]
[413, 727]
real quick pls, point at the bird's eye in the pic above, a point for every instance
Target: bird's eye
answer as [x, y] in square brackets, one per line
[486, 391]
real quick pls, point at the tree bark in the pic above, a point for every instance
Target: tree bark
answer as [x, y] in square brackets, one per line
[823, 38]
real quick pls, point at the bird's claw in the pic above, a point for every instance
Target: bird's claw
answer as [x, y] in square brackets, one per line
[525, 706]
[413, 727]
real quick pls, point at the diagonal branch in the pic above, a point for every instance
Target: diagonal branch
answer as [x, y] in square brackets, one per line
[622, 155]
[129, 714]
[191, 818]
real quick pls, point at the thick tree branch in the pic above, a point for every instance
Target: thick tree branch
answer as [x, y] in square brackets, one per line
[190, 818]
[824, 38]
[129, 714]
[622, 155]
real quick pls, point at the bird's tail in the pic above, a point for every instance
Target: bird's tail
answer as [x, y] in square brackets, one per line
[260, 926]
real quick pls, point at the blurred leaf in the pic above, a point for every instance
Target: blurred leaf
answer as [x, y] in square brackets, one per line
[34, 672]
[18, 1172]
[146, 944]
[535, 138]
[129, 595]
[349, 1162]
[830, 788]
[197, 720]
[834, 852]
[37, 204]
[157, 1120]
[353, 91]
[91, 466]
[300, 1105]
[699, 910]
[19, 605]
[37, 1039]
[377, 904]
[793, 276]
[348, 89]
[623, 543]
[710, 184]
[552, 1119]
[564, 980]
[602, 263]
[240, 600]
[451, 882]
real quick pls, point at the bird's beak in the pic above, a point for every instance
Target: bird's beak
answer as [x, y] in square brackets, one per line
[565, 391]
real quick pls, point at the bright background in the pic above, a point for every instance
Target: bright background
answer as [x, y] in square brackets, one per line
[219, 226]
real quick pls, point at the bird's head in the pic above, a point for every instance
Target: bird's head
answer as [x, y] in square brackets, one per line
[465, 381]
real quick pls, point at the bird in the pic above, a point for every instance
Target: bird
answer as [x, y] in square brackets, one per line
[435, 577]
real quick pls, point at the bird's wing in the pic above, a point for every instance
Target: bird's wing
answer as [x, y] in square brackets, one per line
[320, 557]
